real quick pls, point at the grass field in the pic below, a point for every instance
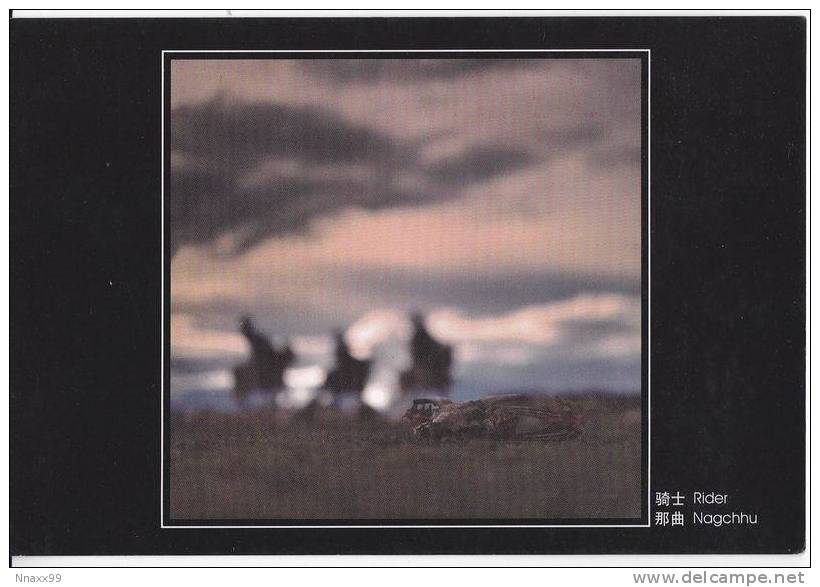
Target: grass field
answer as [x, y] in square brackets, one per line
[261, 465]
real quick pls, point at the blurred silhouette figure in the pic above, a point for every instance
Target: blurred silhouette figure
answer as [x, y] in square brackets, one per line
[431, 361]
[266, 366]
[350, 374]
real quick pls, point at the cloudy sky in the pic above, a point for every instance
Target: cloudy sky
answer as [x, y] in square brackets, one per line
[500, 197]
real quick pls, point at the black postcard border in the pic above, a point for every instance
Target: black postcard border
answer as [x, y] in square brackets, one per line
[84, 126]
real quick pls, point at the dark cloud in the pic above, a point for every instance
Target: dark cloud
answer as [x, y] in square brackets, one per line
[479, 163]
[482, 294]
[209, 206]
[398, 70]
[591, 137]
[217, 143]
[237, 135]
[320, 164]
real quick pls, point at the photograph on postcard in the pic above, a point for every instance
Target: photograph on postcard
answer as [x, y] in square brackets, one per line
[405, 289]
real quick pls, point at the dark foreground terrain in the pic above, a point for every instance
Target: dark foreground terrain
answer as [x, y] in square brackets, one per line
[265, 465]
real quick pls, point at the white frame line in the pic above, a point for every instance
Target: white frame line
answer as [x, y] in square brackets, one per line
[648, 290]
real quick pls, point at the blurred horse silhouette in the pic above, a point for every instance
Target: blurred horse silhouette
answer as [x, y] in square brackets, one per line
[431, 361]
[350, 374]
[266, 366]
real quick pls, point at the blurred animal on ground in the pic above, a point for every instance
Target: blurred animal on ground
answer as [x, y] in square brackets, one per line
[431, 361]
[512, 417]
[350, 374]
[266, 366]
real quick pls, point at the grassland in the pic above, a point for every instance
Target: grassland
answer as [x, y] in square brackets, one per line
[265, 465]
